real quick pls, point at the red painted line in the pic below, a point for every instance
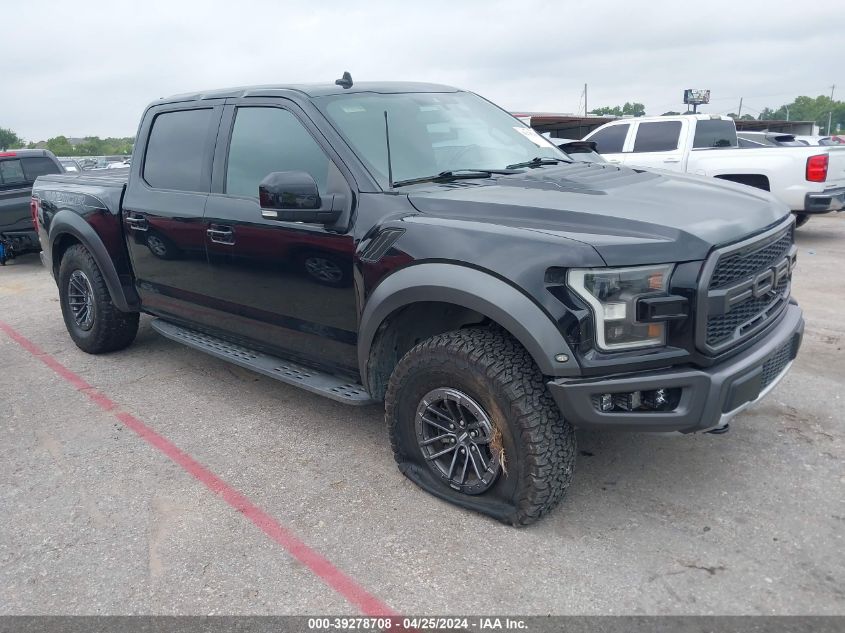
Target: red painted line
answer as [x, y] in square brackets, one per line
[322, 567]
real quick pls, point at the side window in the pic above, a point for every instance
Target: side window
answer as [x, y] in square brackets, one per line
[661, 136]
[611, 139]
[176, 150]
[38, 166]
[11, 172]
[265, 140]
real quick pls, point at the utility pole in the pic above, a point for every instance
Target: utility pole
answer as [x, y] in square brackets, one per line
[787, 112]
[739, 111]
[585, 100]
[830, 114]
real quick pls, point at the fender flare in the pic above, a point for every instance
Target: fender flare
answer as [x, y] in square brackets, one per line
[67, 222]
[473, 289]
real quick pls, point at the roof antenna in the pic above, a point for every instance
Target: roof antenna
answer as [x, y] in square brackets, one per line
[389, 164]
[345, 81]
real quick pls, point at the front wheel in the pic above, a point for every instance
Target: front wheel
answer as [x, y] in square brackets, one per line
[92, 320]
[801, 219]
[471, 422]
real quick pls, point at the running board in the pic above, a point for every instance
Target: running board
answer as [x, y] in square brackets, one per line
[281, 369]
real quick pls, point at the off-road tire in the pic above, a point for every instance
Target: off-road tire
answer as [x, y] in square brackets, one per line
[112, 329]
[801, 219]
[497, 372]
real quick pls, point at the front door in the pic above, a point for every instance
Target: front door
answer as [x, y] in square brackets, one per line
[283, 286]
[164, 205]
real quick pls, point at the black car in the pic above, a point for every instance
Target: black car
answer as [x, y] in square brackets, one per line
[18, 170]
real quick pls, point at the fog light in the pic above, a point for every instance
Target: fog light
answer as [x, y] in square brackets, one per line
[661, 399]
[606, 402]
[627, 401]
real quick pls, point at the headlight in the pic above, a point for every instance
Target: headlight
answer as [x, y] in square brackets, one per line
[612, 293]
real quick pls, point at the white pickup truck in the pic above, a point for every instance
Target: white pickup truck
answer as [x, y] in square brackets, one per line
[808, 179]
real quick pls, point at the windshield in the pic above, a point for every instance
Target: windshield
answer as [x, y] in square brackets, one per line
[431, 133]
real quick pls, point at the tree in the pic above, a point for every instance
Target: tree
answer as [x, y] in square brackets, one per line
[629, 109]
[9, 140]
[634, 109]
[806, 108]
[60, 146]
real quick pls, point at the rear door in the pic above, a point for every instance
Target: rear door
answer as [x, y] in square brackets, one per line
[164, 205]
[610, 141]
[657, 144]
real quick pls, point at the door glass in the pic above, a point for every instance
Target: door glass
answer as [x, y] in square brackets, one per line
[611, 139]
[265, 140]
[661, 136]
[715, 133]
[176, 150]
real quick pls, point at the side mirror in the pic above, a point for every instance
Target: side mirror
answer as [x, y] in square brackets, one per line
[292, 196]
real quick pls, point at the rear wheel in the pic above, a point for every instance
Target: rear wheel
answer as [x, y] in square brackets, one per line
[471, 421]
[92, 320]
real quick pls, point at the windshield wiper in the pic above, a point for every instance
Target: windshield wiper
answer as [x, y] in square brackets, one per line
[455, 174]
[537, 161]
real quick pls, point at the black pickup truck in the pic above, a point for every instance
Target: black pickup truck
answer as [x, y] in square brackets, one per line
[415, 245]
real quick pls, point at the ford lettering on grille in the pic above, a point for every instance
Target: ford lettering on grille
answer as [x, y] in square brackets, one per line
[744, 287]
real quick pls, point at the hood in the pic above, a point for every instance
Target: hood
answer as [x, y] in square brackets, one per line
[629, 216]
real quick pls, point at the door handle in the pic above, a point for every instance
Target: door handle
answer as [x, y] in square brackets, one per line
[672, 160]
[136, 223]
[614, 161]
[221, 235]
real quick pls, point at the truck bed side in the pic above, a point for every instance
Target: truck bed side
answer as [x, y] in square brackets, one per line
[784, 167]
[86, 209]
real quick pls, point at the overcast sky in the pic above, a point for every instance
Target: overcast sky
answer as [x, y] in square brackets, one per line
[89, 68]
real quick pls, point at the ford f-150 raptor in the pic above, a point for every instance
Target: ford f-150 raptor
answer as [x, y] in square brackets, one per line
[414, 244]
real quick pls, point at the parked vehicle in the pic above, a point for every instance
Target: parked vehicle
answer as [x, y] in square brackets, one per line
[70, 165]
[768, 139]
[18, 170]
[415, 245]
[809, 180]
[582, 151]
[819, 140]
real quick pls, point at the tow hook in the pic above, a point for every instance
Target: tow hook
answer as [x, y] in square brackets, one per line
[720, 430]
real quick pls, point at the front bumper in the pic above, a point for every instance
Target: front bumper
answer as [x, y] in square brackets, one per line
[709, 397]
[825, 201]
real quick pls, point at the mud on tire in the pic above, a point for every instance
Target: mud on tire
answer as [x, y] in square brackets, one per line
[497, 373]
[92, 320]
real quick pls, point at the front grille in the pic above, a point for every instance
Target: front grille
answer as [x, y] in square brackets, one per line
[776, 364]
[740, 265]
[734, 302]
[722, 327]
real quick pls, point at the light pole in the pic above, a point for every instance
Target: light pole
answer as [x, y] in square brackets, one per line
[830, 114]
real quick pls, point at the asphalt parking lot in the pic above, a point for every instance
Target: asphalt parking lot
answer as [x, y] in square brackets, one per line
[160, 480]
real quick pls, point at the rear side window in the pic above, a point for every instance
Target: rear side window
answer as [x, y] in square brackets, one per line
[715, 133]
[176, 150]
[661, 136]
[611, 139]
[39, 166]
[265, 140]
[11, 172]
